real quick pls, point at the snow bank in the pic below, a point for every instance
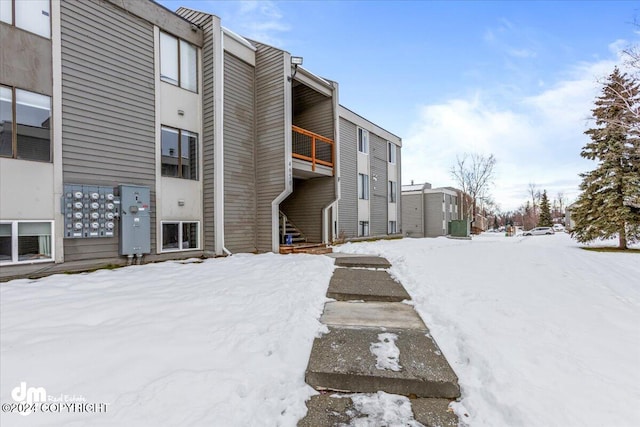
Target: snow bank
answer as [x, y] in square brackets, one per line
[224, 342]
[539, 331]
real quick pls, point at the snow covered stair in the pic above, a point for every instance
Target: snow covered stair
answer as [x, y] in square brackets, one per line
[378, 353]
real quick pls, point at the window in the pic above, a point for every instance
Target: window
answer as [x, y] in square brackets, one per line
[25, 131]
[178, 62]
[363, 186]
[363, 141]
[179, 236]
[179, 153]
[392, 152]
[32, 15]
[363, 228]
[26, 241]
[393, 227]
[393, 191]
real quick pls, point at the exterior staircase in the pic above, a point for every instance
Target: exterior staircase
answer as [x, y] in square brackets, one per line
[298, 243]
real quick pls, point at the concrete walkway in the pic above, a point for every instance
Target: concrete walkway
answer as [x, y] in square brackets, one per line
[375, 343]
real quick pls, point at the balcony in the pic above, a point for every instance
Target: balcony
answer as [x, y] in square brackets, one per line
[313, 154]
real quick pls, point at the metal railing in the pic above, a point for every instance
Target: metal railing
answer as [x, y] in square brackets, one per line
[312, 147]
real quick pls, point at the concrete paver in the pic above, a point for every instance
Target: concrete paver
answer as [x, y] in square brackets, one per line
[366, 285]
[342, 360]
[372, 314]
[363, 261]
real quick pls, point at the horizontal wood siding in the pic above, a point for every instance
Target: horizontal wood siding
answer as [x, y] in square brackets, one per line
[304, 206]
[108, 96]
[399, 191]
[313, 111]
[270, 142]
[239, 156]
[205, 21]
[379, 186]
[348, 204]
[412, 215]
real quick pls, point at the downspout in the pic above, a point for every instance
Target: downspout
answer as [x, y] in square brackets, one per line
[328, 235]
[288, 173]
[218, 150]
[424, 227]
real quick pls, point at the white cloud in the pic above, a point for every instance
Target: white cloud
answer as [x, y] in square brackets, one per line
[537, 139]
[258, 20]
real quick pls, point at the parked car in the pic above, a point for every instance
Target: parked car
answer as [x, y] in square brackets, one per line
[539, 231]
[558, 228]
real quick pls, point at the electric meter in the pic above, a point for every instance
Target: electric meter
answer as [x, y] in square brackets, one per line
[77, 205]
[95, 196]
[109, 215]
[110, 196]
[95, 205]
[95, 225]
[95, 215]
[78, 226]
[110, 206]
[78, 215]
[78, 194]
[109, 225]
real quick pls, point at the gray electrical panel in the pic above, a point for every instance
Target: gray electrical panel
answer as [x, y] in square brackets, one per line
[135, 220]
[89, 211]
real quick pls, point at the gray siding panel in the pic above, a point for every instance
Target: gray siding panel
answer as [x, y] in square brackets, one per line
[108, 106]
[379, 186]
[412, 215]
[348, 204]
[25, 60]
[304, 207]
[205, 21]
[239, 156]
[270, 142]
[433, 214]
[400, 206]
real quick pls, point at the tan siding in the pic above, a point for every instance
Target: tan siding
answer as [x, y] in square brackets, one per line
[270, 143]
[108, 101]
[313, 111]
[412, 215]
[239, 156]
[304, 207]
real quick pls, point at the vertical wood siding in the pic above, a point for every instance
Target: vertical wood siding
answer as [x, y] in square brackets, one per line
[108, 110]
[433, 214]
[348, 204]
[313, 111]
[239, 156]
[270, 142]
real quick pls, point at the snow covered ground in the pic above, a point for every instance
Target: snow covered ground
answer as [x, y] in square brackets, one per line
[219, 343]
[540, 332]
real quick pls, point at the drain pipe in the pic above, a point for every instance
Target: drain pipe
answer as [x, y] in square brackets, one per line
[226, 251]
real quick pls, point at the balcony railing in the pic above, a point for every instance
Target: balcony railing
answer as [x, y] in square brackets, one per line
[312, 147]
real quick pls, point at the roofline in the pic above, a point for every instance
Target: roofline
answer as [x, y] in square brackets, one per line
[237, 37]
[345, 112]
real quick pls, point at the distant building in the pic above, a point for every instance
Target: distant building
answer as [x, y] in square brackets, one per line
[426, 211]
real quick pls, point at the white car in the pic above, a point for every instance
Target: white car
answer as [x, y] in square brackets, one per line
[539, 231]
[558, 228]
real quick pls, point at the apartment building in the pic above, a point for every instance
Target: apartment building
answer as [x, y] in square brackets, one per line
[130, 131]
[427, 211]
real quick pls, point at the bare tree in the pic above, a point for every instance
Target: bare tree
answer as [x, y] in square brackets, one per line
[473, 174]
[535, 196]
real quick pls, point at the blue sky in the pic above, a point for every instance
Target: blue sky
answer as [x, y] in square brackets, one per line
[516, 79]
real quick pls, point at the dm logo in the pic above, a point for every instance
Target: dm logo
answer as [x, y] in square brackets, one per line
[28, 395]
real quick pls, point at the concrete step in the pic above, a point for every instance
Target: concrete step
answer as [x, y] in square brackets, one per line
[366, 285]
[342, 360]
[305, 248]
[326, 410]
[373, 314]
[362, 261]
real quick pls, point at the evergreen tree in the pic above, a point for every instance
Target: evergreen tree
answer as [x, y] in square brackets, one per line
[545, 212]
[607, 206]
[495, 222]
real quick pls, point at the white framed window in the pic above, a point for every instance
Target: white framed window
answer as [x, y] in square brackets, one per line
[391, 152]
[33, 15]
[363, 228]
[180, 236]
[393, 227]
[393, 191]
[363, 186]
[179, 153]
[178, 62]
[363, 141]
[25, 124]
[25, 242]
